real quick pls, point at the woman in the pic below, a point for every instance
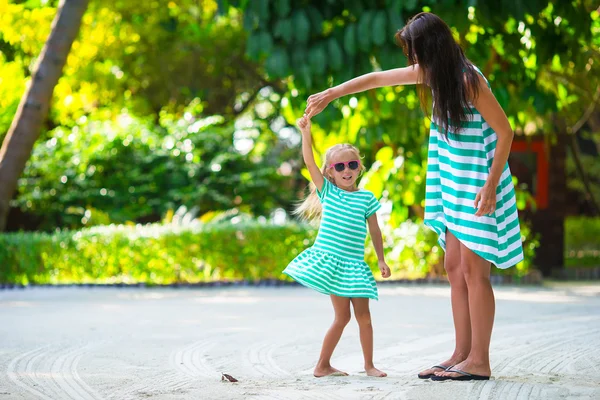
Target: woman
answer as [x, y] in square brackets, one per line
[470, 200]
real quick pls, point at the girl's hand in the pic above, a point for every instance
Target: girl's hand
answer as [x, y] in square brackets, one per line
[385, 270]
[485, 201]
[304, 125]
[317, 103]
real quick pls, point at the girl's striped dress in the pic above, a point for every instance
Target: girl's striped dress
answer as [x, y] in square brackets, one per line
[335, 264]
[458, 167]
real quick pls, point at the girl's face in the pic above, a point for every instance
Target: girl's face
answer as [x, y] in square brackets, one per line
[344, 168]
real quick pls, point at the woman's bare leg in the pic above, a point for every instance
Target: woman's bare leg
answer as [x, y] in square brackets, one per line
[482, 310]
[459, 296]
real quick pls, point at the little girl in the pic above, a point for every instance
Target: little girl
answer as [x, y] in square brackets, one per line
[335, 264]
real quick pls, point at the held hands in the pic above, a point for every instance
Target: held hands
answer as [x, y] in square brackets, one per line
[304, 124]
[385, 270]
[317, 103]
[485, 201]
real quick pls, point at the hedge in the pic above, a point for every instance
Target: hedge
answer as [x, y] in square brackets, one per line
[582, 242]
[170, 253]
[159, 254]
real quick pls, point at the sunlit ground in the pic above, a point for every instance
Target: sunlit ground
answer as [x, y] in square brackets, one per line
[105, 343]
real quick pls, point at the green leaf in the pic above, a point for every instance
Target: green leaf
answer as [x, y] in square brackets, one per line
[283, 8]
[250, 20]
[317, 60]
[223, 6]
[350, 39]
[316, 19]
[562, 92]
[283, 29]
[298, 57]
[277, 64]
[301, 25]
[385, 154]
[364, 30]
[390, 57]
[262, 9]
[395, 23]
[253, 45]
[336, 57]
[410, 5]
[306, 76]
[379, 28]
[265, 43]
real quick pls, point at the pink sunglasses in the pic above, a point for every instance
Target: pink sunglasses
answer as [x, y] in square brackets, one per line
[340, 166]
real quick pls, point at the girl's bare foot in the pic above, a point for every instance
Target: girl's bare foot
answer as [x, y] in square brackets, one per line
[328, 371]
[375, 372]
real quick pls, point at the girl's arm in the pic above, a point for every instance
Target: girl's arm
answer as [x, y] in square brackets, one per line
[307, 153]
[490, 110]
[399, 76]
[377, 240]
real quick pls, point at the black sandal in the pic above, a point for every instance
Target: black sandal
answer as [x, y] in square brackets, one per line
[432, 375]
[464, 376]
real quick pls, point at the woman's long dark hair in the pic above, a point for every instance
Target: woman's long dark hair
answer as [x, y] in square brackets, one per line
[454, 82]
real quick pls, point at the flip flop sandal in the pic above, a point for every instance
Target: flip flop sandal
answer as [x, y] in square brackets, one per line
[464, 376]
[427, 376]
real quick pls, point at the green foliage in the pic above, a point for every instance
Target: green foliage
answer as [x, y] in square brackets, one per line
[143, 56]
[591, 167]
[134, 170]
[233, 247]
[154, 254]
[411, 250]
[531, 54]
[582, 241]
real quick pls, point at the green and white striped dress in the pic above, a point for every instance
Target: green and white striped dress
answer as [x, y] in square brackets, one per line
[335, 264]
[458, 167]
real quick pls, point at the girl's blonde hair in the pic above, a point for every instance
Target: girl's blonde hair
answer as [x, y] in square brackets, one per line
[310, 208]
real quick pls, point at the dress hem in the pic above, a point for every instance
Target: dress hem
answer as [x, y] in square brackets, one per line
[323, 291]
[442, 243]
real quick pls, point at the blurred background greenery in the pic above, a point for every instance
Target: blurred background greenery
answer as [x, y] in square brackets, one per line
[169, 152]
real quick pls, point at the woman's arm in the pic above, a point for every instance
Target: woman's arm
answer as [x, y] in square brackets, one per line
[307, 153]
[377, 240]
[492, 113]
[399, 76]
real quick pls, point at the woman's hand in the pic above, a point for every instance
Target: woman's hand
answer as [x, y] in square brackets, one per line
[385, 270]
[317, 103]
[485, 201]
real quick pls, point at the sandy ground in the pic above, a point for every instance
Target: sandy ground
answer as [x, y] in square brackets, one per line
[90, 344]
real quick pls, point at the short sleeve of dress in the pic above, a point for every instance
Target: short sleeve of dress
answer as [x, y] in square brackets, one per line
[324, 192]
[372, 206]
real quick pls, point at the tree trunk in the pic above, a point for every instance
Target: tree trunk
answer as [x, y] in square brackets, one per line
[33, 108]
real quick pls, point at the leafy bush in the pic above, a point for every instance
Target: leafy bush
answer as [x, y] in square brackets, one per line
[152, 253]
[134, 170]
[234, 248]
[582, 241]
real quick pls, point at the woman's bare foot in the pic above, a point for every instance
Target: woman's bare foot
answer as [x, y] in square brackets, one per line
[375, 372]
[469, 367]
[434, 371]
[328, 371]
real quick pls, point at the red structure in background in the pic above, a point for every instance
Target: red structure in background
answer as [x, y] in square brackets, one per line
[528, 162]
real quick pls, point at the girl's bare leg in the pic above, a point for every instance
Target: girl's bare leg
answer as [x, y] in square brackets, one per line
[363, 317]
[341, 307]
